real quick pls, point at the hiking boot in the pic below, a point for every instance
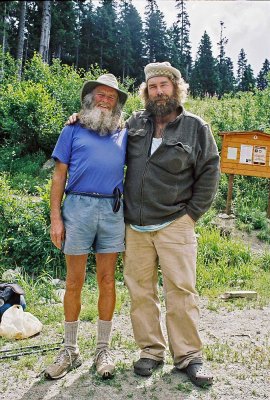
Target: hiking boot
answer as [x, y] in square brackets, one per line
[65, 361]
[198, 375]
[146, 366]
[104, 363]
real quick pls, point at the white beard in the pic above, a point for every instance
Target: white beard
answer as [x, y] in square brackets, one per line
[103, 122]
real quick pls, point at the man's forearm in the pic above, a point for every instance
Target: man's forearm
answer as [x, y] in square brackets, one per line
[57, 192]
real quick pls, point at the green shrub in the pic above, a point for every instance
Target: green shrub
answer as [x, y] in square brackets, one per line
[264, 262]
[24, 233]
[264, 234]
[24, 170]
[61, 81]
[133, 103]
[9, 73]
[30, 117]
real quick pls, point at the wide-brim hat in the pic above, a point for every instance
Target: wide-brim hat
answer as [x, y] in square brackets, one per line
[161, 69]
[106, 80]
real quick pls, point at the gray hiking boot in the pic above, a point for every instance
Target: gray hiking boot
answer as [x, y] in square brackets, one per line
[104, 363]
[65, 361]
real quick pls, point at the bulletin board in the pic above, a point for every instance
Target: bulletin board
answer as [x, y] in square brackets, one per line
[246, 153]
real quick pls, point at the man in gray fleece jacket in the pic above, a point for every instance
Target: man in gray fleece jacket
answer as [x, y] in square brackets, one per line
[171, 180]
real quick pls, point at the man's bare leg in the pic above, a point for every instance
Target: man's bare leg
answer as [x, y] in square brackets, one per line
[69, 357]
[106, 285]
[76, 266]
[106, 304]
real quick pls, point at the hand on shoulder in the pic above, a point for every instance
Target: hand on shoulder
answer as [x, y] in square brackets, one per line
[72, 119]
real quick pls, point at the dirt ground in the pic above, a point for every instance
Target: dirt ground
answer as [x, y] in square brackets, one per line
[236, 347]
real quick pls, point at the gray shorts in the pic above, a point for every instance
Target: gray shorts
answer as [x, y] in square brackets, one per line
[91, 225]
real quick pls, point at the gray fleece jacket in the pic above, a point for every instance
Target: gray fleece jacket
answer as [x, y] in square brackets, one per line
[180, 177]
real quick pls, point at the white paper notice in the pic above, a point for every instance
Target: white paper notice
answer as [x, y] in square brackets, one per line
[232, 153]
[246, 154]
[259, 156]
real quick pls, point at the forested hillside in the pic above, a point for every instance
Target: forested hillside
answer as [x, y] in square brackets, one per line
[113, 35]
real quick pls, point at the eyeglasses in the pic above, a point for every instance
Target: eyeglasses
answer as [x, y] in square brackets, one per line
[117, 200]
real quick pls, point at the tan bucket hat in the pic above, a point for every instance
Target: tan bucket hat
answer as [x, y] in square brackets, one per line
[106, 80]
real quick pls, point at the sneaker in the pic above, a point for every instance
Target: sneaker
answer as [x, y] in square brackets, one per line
[146, 366]
[104, 363]
[65, 361]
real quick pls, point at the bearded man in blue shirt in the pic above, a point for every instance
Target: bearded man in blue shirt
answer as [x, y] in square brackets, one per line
[91, 154]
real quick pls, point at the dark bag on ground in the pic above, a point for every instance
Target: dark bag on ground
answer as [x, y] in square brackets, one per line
[10, 294]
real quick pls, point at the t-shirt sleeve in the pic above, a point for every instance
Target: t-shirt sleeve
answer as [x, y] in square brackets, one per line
[62, 150]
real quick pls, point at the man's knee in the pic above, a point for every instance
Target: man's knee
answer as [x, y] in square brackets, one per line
[74, 286]
[106, 283]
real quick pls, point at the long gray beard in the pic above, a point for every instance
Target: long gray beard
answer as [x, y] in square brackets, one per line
[160, 110]
[103, 122]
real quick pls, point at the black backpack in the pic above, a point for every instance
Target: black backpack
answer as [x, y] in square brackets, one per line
[10, 294]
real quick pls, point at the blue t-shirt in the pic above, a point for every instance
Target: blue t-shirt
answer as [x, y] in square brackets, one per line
[95, 163]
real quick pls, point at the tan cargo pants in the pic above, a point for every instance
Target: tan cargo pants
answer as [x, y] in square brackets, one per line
[174, 248]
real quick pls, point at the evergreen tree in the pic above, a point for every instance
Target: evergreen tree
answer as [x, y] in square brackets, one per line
[204, 77]
[181, 43]
[63, 32]
[173, 56]
[124, 39]
[79, 8]
[33, 19]
[245, 76]
[9, 20]
[88, 50]
[262, 82]
[106, 39]
[156, 38]
[225, 67]
[130, 42]
[242, 65]
[248, 81]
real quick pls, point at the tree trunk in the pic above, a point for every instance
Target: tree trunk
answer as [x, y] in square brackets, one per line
[45, 31]
[78, 36]
[21, 37]
[3, 44]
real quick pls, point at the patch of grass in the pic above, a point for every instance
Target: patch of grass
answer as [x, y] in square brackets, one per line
[119, 340]
[184, 387]
[251, 354]
[222, 262]
[221, 353]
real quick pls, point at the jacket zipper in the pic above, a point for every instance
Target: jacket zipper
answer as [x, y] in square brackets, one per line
[144, 173]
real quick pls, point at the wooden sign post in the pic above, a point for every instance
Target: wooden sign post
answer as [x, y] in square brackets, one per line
[245, 153]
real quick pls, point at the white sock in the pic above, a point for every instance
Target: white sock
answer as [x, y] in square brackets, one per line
[71, 333]
[104, 329]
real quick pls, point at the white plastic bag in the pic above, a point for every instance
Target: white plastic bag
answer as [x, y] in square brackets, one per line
[17, 324]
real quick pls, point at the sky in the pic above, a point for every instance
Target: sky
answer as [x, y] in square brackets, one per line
[247, 26]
